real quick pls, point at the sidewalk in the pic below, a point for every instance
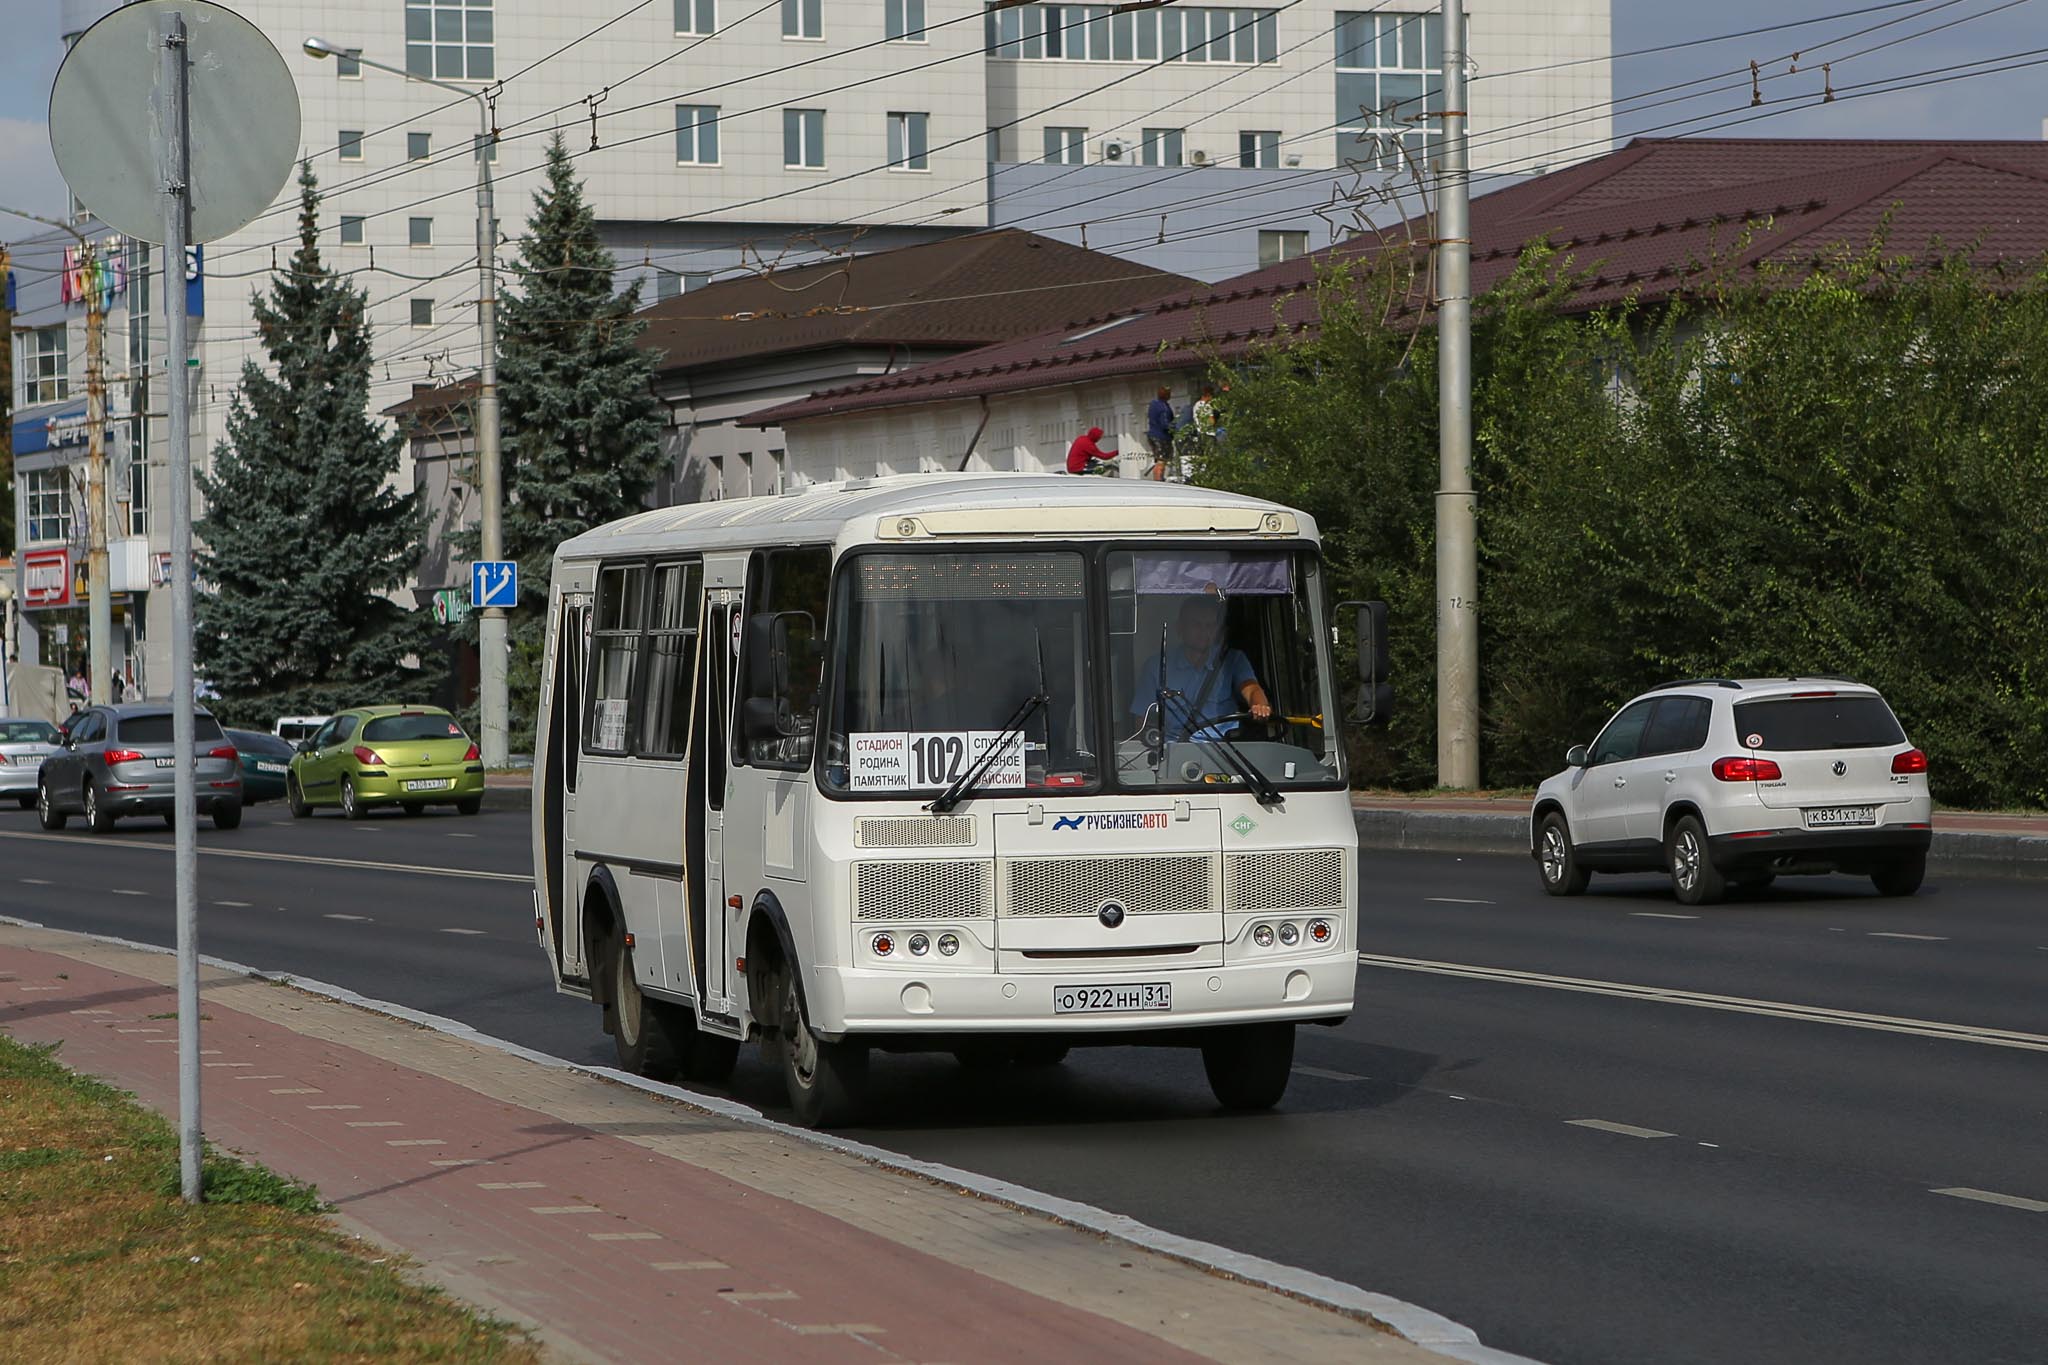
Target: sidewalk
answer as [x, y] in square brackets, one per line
[622, 1225]
[1965, 842]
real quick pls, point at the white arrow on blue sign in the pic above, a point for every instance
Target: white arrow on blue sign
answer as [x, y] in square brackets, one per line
[493, 583]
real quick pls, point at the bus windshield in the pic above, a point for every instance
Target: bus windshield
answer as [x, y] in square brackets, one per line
[940, 652]
[1216, 667]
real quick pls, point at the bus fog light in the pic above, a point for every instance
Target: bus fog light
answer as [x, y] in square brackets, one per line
[1319, 930]
[1290, 935]
[1263, 935]
[949, 944]
[885, 944]
[919, 945]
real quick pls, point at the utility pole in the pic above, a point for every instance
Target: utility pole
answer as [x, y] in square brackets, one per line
[1457, 545]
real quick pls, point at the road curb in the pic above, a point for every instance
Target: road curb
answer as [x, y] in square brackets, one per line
[1431, 1331]
[1970, 853]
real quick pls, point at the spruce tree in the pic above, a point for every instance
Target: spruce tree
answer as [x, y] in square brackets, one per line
[305, 537]
[581, 424]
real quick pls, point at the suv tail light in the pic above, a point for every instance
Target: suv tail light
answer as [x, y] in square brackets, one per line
[1747, 770]
[226, 751]
[368, 756]
[1911, 761]
[114, 756]
[472, 756]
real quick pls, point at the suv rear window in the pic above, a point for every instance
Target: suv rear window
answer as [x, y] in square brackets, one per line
[414, 725]
[1791, 724]
[157, 729]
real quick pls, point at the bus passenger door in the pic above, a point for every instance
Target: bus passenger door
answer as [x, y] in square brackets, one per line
[565, 744]
[716, 925]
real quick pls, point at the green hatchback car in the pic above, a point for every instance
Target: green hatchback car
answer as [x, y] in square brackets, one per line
[408, 756]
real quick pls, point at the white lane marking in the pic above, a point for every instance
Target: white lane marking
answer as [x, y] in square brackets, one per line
[1658, 914]
[215, 851]
[836, 1329]
[556, 1210]
[512, 1185]
[453, 835]
[415, 1142]
[1921, 938]
[623, 1236]
[1320, 1074]
[357, 919]
[1710, 1144]
[1454, 900]
[334, 1106]
[239, 1078]
[227, 1064]
[92, 1011]
[297, 1090]
[463, 1161]
[143, 1030]
[472, 932]
[689, 1265]
[1776, 1009]
[234, 905]
[2011, 1201]
[31, 881]
[125, 891]
[42, 988]
[376, 1123]
[1624, 1129]
[757, 1295]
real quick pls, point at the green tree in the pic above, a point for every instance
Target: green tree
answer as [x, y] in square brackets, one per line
[581, 424]
[305, 539]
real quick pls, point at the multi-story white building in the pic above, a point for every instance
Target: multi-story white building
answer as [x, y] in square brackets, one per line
[716, 135]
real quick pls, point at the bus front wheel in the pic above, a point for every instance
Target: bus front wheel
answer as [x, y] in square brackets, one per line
[1248, 1064]
[824, 1079]
[645, 1032]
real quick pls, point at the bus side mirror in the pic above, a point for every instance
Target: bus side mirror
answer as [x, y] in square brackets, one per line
[1375, 664]
[767, 713]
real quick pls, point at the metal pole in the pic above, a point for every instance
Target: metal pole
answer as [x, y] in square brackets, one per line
[1457, 553]
[99, 607]
[492, 656]
[177, 219]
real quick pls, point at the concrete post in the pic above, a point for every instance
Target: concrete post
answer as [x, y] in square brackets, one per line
[1457, 553]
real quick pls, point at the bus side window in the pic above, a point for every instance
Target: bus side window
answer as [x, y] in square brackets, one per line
[793, 584]
[614, 658]
[672, 637]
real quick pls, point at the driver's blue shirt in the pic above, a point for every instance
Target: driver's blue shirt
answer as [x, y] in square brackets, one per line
[1225, 692]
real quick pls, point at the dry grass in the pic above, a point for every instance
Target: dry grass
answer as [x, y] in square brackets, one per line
[100, 1261]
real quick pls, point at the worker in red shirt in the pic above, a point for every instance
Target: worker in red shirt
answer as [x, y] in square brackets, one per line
[1083, 453]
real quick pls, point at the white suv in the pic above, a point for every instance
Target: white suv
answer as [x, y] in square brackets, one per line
[1727, 783]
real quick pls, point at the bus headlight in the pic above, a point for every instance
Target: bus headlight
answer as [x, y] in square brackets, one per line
[1289, 935]
[949, 944]
[919, 945]
[1263, 935]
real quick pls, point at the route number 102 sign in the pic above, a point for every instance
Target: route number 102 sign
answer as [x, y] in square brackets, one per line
[931, 760]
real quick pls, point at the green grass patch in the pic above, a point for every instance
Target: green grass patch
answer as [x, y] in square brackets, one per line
[100, 1260]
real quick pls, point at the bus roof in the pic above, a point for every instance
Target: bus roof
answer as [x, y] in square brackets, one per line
[943, 506]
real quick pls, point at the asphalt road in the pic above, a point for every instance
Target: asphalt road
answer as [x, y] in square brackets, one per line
[1604, 1130]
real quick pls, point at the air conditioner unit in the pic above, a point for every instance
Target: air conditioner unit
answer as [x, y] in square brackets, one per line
[1116, 149]
[1293, 158]
[1198, 157]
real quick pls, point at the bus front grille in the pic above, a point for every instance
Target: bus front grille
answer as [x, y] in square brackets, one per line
[1179, 883]
[1286, 879]
[921, 890]
[914, 831]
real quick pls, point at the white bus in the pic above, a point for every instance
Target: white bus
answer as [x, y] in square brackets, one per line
[987, 764]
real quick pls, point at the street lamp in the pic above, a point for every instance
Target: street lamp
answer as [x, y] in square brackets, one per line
[491, 626]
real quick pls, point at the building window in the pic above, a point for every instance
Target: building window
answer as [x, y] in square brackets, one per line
[347, 67]
[1258, 151]
[803, 18]
[1066, 146]
[1160, 147]
[418, 146]
[449, 40]
[138, 307]
[423, 312]
[909, 148]
[1389, 78]
[45, 364]
[667, 284]
[1097, 33]
[1275, 247]
[138, 466]
[803, 138]
[350, 144]
[698, 18]
[697, 134]
[903, 20]
[46, 503]
[351, 229]
[695, 279]
[419, 232]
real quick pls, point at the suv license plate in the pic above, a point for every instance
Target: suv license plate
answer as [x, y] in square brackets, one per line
[167, 763]
[1841, 815]
[1113, 999]
[426, 784]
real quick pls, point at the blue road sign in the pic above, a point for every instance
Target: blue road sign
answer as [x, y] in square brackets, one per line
[493, 583]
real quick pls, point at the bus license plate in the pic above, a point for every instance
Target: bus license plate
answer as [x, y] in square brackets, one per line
[1841, 815]
[426, 784]
[1112, 999]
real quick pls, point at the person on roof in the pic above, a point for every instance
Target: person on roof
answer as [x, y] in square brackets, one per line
[1159, 432]
[1083, 454]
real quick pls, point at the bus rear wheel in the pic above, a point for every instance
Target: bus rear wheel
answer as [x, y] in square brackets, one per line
[824, 1079]
[1248, 1064]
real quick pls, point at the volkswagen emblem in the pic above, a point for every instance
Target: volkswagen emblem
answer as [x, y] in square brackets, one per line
[1111, 914]
[1841, 768]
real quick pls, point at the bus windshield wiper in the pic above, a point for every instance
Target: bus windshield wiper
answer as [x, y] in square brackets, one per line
[1234, 758]
[1010, 733]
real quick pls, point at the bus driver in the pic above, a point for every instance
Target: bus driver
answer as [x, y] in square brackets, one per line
[1203, 670]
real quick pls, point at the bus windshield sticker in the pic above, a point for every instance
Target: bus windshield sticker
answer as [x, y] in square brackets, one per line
[611, 723]
[930, 760]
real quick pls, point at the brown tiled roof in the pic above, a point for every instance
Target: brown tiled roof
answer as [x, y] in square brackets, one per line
[1635, 222]
[964, 291]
